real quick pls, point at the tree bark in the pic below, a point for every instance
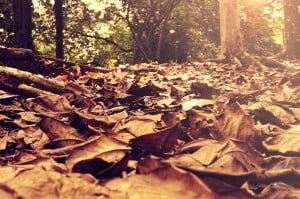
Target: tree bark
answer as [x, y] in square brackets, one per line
[59, 25]
[231, 42]
[23, 23]
[292, 29]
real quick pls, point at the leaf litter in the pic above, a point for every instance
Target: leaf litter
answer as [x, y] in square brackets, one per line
[201, 130]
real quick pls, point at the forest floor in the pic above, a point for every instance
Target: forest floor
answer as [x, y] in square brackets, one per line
[202, 131]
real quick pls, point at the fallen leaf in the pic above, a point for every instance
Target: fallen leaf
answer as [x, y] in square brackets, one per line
[204, 90]
[39, 183]
[279, 191]
[284, 143]
[56, 129]
[3, 139]
[54, 103]
[159, 143]
[173, 183]
[105, 148]
[188, 105]
[235, 123]
[138, 126]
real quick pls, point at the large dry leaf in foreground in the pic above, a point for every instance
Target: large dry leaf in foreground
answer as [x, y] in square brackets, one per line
[282, 162]
[232, 158]
[266, 111]
[189, 104]
[102, 169]
[285, 143]
[8, 193]
[58, 130]
[140, 125]
[235, 123]
[54, 103]
[227, 191]
[207, 151]
[40, 183]
[163, 183]
[158, 143]
[280, 191]
[105, 148]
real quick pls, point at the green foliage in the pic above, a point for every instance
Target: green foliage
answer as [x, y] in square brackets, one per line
[81, 18]
[259, 36]
[190, 33]
[198, 37]
[6, 23]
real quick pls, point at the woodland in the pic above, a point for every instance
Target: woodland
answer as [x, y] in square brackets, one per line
[150, 99]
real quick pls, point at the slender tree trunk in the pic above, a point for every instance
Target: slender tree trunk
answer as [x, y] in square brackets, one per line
[161, 39]
[23, 23]
[59, 24]
[292, 28]
[231, 42]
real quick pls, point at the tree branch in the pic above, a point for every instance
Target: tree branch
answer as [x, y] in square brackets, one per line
[103, 39]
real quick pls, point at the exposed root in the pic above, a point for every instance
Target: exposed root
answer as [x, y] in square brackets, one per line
[246, 60]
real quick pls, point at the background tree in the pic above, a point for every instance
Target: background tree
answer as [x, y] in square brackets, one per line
[261, 29]
[59, 27]
[147, 21]
[96, 32]
[22, 10]
[197, 38]
[90, 31]
[292, 28]
[231, 40]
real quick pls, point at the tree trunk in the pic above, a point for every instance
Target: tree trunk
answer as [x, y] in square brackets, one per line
[59, 25]
[231, 42]
[23, 23]
[292, 29]
[161, 39]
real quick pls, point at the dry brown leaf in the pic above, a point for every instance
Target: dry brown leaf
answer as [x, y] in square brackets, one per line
[208, 153]
[58, 130]
[282, 113]
[97, 119]
[189, 104]
[138, 126]
[35, 137]
[235, 123]
[3, 139]
[8, 193]
[40, 183]
[105, 148]
[204, 90]
[284, 143]
[168, 182]
[54, 103]
[233, 158]
[159, 143]
[280, 191]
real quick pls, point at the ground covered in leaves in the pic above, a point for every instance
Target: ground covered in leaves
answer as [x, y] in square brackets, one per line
[155, 131]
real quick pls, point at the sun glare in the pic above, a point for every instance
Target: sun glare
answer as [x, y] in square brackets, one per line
[254, 3]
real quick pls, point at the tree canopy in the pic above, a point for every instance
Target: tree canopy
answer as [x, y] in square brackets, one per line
[123, 31]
